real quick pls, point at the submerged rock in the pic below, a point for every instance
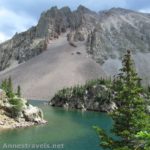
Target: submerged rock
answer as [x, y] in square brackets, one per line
[66, 106]
[109, 108]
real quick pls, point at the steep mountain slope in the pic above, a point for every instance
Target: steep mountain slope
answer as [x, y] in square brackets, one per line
[60, 66]
[117, 31]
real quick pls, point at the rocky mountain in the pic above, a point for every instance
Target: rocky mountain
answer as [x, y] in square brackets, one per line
[52, 23]
[117, 31]
[102, 36]
[109, 34]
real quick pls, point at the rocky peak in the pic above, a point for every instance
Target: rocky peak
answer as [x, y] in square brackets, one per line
[54, 8]
[119, 11]
[51, 12]
[83, 9]
[65, 9]
[54, 12]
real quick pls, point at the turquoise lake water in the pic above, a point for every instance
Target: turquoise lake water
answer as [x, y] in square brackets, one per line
[66, 130]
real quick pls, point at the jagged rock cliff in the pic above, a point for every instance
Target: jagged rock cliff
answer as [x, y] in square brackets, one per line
[21, 48]
[52, 23]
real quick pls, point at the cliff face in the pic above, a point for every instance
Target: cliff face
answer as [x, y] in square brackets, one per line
[117, 31]
[20, 48]
[108, 34]
[56, 21]
[52, 23]
[26, 45]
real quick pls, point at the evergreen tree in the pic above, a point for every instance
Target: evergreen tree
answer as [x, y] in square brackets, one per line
[7, 86]
[19, 91]
[4, 85]
[16, 106]
[16, 102]
[10, 88]
[130, 117]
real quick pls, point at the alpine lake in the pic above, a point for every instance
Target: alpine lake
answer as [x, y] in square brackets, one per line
[66, 130]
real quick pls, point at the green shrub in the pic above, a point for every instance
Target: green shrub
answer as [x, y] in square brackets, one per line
[16, 106]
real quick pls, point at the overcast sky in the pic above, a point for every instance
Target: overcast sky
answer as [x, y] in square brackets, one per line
[19, 15]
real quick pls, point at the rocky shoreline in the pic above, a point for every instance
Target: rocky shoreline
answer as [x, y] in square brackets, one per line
[10, 123]
[94, 107]
[93, 96]
[27, 116]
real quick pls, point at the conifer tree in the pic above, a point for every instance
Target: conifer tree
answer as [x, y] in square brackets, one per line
[19, 91]
[16, 102]
[7, 86]
[4, 85]
[130, 117]
[10, 88]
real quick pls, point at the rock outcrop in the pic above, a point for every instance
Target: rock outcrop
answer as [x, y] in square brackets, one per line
[20, 48]
[95, 96]
[28, 115]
